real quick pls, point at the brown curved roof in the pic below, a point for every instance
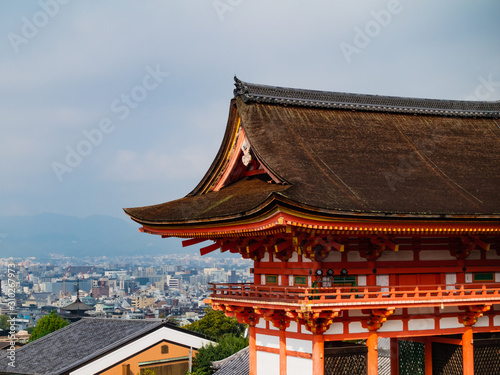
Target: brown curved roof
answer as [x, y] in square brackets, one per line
[343, 154]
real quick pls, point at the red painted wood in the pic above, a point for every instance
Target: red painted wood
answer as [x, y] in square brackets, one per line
[468, 352]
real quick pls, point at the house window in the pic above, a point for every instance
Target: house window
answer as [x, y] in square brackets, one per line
[300, 280]
[164, 349]
[271, 279]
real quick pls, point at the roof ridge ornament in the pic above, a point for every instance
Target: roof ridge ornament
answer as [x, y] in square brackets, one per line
[251, 92]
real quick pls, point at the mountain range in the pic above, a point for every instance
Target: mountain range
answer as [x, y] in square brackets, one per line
[97, 235]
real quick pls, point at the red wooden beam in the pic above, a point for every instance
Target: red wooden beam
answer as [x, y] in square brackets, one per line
[208, 249]
[192, 241]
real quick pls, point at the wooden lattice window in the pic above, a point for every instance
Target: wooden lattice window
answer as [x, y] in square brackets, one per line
[271, 279]
[480, 277]
[300, 280]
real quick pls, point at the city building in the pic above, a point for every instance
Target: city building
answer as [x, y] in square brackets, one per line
[366, 217]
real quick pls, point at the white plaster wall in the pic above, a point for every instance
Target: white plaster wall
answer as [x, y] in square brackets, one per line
[261, 324]
[497, 277]
[298, 366]
[391, 326]
[496, 321]
[492, 254]
[449, 323]
[474, 255]
[304, 330]
[294, 257]
[468, 277]
[361, 280]
[265, 258]
[421, 311]
[306, 260]
[268, 363]
[353, 256]
[450, 309]
[436, 255]
[355, 327]
[483, 321]
[267, 341]
[333, 256]
[389, 255]
[382, 280]
[293, 327]
[303, 346]
[451, 278]
[335, 329]
[421, 324]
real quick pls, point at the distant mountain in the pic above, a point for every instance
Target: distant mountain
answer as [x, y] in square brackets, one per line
[23, 236]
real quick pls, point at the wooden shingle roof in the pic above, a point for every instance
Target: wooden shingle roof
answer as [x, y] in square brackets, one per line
[348, 155]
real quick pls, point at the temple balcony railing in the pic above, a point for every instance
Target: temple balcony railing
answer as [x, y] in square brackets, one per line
[355, 297]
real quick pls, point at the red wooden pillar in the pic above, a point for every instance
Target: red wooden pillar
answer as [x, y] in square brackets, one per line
[252, 350]
[318, 355]
[468, 351]
[428, 355]
[395, 356]
[282, 352]
[371, 342]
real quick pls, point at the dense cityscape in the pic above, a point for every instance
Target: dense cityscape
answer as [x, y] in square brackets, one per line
[169, 287]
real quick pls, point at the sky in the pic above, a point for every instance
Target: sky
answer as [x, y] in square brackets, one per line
[120, 103]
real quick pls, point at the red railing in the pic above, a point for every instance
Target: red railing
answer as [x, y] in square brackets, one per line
[361, 295]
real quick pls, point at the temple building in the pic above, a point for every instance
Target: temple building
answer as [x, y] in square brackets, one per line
[366, 217]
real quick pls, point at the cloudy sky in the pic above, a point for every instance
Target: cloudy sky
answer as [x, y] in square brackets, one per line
[119, 103]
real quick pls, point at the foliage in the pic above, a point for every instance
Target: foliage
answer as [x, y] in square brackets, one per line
[216, 324]
[227, 345]
[48, 324]
[4, 322]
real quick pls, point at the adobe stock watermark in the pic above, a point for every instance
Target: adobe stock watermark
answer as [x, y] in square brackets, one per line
[485, 89]
[380, 20]
[31, 26]
[11, 302]
[223, 6]
[121, 108]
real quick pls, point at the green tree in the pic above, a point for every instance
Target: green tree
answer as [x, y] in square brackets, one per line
[4, 322]
[216, 324]
[48, 324]
[227, 345]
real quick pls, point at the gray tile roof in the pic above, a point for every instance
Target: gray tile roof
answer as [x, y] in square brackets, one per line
[251, 92]
[237, 364]
[75, 344]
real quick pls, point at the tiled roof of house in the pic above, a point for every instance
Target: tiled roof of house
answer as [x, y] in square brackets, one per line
[236, 364]
[75, 344]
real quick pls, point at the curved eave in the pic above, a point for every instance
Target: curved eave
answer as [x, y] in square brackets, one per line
[275, 214]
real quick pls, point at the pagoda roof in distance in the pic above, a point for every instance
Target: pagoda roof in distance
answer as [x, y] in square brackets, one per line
[345, 155]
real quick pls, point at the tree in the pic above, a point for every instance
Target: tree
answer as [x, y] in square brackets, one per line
[216, 324]
[48, 324]
[4, 322]
[227, 345]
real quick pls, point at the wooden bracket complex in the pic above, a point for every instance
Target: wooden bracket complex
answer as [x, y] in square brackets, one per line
[472, 314]
[315, 322]
[376, 319]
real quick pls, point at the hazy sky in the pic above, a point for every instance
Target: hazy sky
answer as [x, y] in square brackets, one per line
[119, 103]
